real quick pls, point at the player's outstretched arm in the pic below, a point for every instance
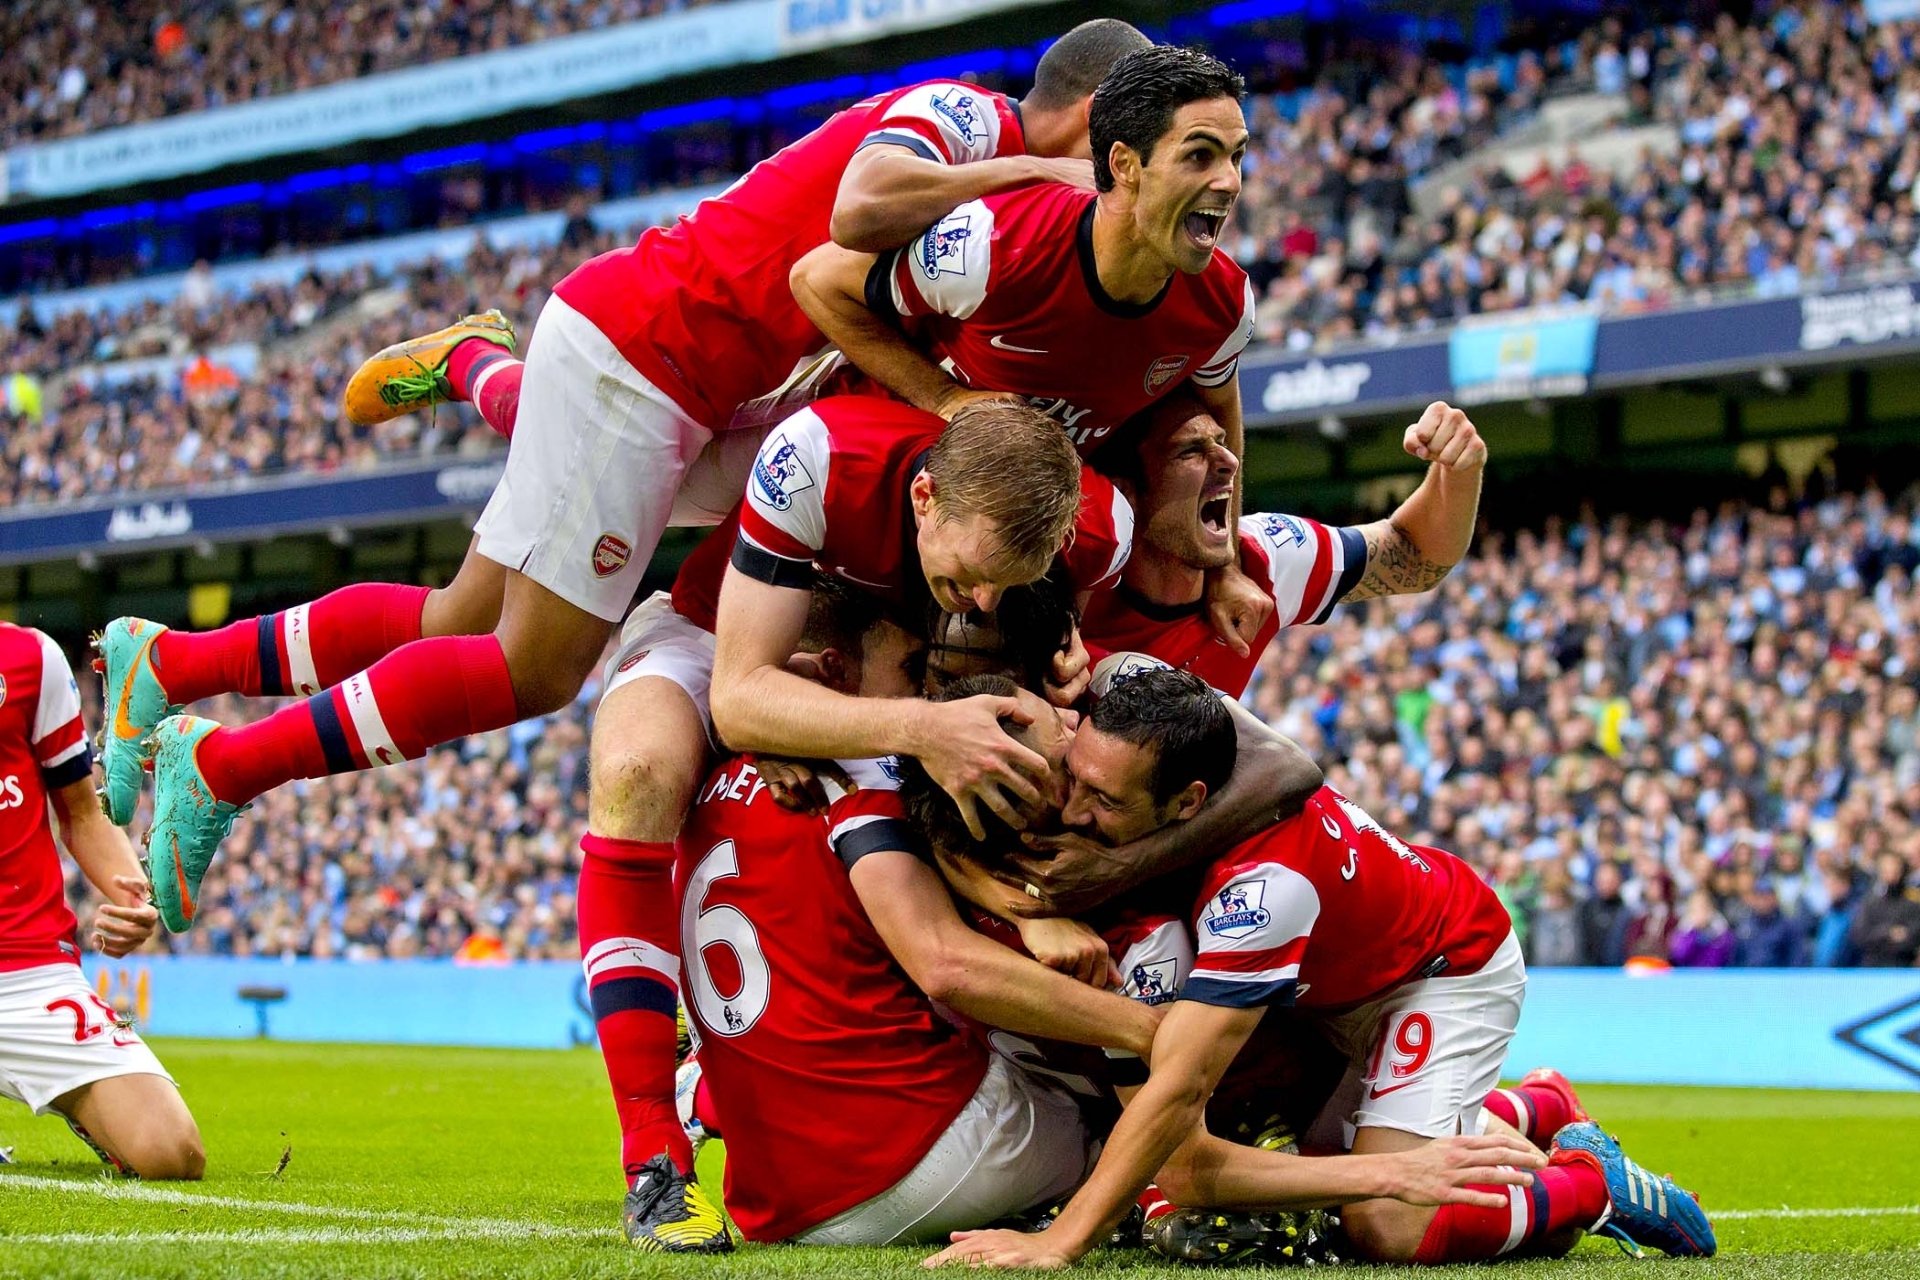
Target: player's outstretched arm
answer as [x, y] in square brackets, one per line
[888, 194]
[1195, 1045]
[1413, 549]
[1070, 874]
[1219, 1174]
[758, 705]
[105, 856]
[830, 284]
[994, 985]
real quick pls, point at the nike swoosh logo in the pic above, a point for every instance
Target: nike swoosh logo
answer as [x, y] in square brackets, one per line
[1377, 1092]
[187, 907]
[1000, 343]
[124, 728]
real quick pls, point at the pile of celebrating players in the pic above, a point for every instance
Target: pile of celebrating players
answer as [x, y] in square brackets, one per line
[924, 791]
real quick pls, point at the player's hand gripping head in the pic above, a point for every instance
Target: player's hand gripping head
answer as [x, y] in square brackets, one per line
[1174, 467]
[1154, 748]
[1168, 136]
[1049, 733]
[994, 503]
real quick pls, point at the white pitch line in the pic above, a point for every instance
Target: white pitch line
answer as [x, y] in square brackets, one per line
[278, 1235]
[128, 1190]
[1879, 1211]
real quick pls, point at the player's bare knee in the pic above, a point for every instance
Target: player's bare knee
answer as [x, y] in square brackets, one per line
[640, 791]
[1385, 1230]
[171, 1154]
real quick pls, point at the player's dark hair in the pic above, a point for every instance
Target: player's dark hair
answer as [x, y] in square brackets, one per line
[1136, 103]
[1019, 639]
[1074, 65]
[1182, 719]
[839, 616]
[934, 811]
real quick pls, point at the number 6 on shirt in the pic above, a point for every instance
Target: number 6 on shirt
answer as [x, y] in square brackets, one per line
[722, 925]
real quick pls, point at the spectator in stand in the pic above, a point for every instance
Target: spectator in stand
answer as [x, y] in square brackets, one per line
[1886, 928]
[1603, 918]
[1703, 940]
[1767, 936]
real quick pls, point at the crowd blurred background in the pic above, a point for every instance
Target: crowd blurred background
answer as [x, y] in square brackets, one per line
[1695, 741]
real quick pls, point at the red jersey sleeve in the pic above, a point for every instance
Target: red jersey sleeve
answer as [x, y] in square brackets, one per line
[59, 735]
[1310, 566]
[1225, 363]
[783, 521]
[870, 817]
[943, 121]
[1102, 534]
[1251, 931]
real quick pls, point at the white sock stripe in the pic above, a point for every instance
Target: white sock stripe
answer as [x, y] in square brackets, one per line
[630, 953]
[1518, 1207]
[296, 631]
[375, 742]
[486, 376]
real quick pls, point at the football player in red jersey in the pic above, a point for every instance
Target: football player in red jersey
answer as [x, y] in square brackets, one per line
[1405, 954]
[921, 516]
[62, 1048]
[1178, 475]
[1090, 306]
[639, 357]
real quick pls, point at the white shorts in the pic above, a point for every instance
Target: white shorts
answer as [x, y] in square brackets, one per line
[1017, 1144]
[658, 641]
[1423, 1058]
[597, 459]
[57, 1035]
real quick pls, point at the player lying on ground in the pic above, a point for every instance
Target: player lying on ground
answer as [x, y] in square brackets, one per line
[815, 946]
[63, 1048]
[640, 356]
[1177, 472]
[1090, 306]
[1408, 954]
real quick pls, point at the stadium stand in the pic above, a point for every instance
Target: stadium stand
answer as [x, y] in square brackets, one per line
[1698, 741]
[75, 71]
[1639, 771]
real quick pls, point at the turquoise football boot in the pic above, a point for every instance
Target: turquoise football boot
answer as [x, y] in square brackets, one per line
[135, 703]
[1643, 1209]
[188, 821]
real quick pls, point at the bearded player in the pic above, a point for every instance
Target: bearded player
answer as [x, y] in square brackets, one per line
[640, 356]
[1401, 952]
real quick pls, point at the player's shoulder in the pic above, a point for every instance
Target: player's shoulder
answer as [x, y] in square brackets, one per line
[1038, 205]
[1225, 291]
[846, 426]
[965, 106]
[25, 648]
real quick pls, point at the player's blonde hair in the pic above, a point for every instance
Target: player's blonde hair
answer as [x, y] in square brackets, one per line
[1013, 466]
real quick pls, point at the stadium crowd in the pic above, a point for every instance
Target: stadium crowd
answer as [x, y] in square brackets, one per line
[1693, 743]
[1795, 168]
[72, 71]
[1773, 191]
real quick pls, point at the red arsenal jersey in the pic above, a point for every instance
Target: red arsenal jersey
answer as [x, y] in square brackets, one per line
[1005, 294]
[1328, 910]
[830, 487]
[43, 747]
[1307, 568]
[703, 309]
[831, 1074]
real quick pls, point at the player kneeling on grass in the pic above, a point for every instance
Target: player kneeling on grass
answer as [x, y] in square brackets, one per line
[62, 1048]
[1407, 953]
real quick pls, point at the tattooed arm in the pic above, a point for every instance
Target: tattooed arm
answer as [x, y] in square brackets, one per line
[1418, 545]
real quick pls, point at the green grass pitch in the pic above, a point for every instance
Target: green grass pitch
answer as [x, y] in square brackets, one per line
[460, 1162]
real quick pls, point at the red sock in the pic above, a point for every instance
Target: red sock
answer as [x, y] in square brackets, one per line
[302, 650]
[1535, 1110]
[1567, 1195]
[704, 1111]
[630, 949]
[420, 695]
[487, 377]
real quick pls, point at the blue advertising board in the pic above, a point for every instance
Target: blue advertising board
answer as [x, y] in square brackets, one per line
[1786, 1028]
[1543, 354]
[295, 505]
